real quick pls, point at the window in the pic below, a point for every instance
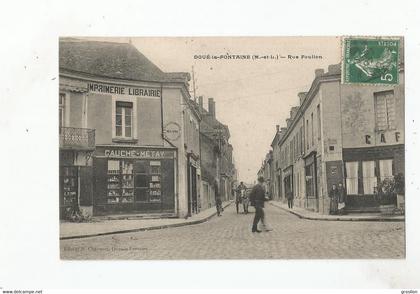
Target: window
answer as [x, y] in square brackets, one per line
[318, 116]
[124, 119]
[61, 105]
[365, 180]
[307, 134]
[369, 178]
[310, 181]
[120, 183]
[312, 129]
[385, 110]
[385, 169]
[352, 180]
[302, 141]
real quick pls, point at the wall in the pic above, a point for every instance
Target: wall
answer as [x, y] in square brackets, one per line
[172, 112]
[358, 115]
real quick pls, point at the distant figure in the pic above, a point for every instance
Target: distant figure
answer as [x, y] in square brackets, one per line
[290, 199]
[218, 199]
[238, 199]
[257, 199]
[342, 198]
[245, 201]
[334, 197]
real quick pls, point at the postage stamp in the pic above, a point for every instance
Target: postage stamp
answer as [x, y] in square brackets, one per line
[370, 60]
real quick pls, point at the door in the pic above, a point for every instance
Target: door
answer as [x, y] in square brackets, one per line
[193, 180]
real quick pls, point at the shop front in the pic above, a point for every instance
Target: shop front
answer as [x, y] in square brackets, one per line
[133, 179]
[364, 168]
[311, 183]
[288, 181]
[194, 201]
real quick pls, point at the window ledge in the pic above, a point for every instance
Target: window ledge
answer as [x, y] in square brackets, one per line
[124, 140]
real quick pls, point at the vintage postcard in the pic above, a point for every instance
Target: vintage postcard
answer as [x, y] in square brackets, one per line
[231, 148]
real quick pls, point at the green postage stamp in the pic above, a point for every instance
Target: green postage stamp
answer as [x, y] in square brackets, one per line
[370, 60]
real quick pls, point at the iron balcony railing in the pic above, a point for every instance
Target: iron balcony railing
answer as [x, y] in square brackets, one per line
[77, 138]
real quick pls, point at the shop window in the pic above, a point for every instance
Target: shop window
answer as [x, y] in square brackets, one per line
[70, 187]
[120, 185]
[310, 181]
[352, 180]
[385, 110]
[369, 178]
[148, 181]
[385, 169]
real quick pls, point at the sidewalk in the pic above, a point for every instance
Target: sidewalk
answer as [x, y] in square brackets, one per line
[69, 230]
[306, 214]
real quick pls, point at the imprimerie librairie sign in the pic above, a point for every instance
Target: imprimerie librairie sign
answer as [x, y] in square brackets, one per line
[123, 90]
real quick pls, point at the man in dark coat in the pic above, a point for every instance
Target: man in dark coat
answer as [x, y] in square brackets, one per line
[257, 199]
[219, 207]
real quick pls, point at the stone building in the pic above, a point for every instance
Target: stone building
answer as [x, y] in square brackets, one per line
[129, 135]
[216, 155]
[341, 133]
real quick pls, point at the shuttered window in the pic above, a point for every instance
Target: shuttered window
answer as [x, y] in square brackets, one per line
[385, 110]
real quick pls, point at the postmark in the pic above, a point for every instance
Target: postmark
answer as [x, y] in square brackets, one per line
[370, 60]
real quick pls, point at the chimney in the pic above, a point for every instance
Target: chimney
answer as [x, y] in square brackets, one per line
[212, 107]
[288, 121]
[334, 68]
[319, 72]
[293, 112]
[278, 128]
[302, 96]
[200, 103]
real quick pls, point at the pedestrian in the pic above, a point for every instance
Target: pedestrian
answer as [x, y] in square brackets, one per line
[257, 199]
[245, 200]
[290, 199]
[218, 199]
[334, 197]
[238, 199]
[342, 198]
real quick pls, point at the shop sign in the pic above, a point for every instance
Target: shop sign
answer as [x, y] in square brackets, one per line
[135, 153]
[385, 137]
[172, 131]
[123, 90]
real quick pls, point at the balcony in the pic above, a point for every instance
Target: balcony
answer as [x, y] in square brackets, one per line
[77, 138]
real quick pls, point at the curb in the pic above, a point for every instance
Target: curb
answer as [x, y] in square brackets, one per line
[146, 228]
[364, 219]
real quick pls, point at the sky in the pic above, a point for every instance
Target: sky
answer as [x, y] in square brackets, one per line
[252, 96]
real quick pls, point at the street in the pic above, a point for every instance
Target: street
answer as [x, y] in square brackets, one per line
[230, 237]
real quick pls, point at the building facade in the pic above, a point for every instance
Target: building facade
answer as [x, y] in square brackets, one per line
[140, 158]
[217, 156]
[341, 133]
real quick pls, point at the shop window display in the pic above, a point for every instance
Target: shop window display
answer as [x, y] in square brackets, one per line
[69, 185]
[120, 181]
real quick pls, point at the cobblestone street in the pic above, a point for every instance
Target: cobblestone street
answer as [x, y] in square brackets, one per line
[230, 237]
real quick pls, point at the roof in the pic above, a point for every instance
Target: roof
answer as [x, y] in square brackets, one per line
[113, 60]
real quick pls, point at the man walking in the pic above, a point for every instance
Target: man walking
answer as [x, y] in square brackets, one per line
[219, 207]
[238, 198]
[239, 195]
[257, 199]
